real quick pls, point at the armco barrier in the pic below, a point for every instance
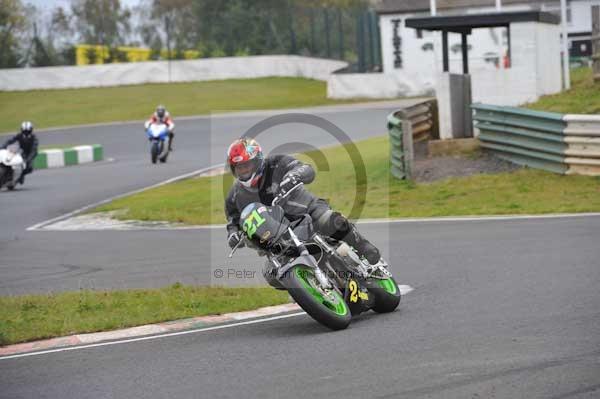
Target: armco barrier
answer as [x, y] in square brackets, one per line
[57, 158]
[406, 126]
[567, 144]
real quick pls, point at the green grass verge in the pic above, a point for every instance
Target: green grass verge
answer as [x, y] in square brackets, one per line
[582, 98]
[31, 317]
[526, 191]
[47, 108]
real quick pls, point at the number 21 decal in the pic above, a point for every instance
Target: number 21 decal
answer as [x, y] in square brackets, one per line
[252, 222]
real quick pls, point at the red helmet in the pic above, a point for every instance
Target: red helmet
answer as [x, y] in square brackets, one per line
[246, 161]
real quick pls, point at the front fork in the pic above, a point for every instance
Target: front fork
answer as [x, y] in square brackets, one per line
[359, 266]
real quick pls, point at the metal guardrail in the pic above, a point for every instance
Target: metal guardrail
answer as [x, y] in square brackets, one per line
[416, 123]
[566, 144]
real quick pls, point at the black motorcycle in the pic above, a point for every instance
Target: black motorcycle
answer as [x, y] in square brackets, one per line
[324, 276]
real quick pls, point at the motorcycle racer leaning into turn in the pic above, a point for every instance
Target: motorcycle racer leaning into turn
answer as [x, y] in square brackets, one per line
[161, 115]
[28, 142]
[260, 179]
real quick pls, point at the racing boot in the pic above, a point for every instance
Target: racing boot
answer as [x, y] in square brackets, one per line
[342, 229]
[171, 136]
[362, 246]
[21, 179]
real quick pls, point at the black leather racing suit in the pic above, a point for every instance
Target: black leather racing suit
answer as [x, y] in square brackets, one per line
[299, 203]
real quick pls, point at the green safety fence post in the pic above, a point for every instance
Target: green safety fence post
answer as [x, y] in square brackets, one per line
[401, 146]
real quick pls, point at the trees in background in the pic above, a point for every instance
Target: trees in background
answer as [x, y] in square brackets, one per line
[167, 24]
[312, 27]
[103, 22]
[325, 28]
[13, 27]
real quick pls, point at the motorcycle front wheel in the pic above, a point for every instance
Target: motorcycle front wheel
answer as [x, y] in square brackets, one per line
[327, 306]
[386, 293]
[4, 175]
[154, 151]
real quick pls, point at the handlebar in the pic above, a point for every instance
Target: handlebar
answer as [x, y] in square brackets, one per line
[280, 196]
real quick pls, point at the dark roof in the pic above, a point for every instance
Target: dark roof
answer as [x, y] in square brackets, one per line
[408, 6]
[464, 23]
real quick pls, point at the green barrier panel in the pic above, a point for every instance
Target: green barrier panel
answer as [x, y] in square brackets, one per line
[397, 158]
[523, 142]
[40, 161]
[98, 152]
[70, 157]
[526, 137]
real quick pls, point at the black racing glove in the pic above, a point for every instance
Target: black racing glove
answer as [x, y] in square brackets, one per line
[289, 181]
[234, 238]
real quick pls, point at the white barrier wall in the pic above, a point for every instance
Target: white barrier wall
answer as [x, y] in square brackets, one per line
[412, 62]
[373, 85]
[535, 69]
[159, 72]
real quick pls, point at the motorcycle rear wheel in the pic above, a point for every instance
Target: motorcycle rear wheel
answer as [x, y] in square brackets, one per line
[163, 159]
[329, 309]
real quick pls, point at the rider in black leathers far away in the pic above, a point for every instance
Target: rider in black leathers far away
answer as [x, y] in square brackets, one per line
[28, 143]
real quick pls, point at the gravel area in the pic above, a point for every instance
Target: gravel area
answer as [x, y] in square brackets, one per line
[429, 169]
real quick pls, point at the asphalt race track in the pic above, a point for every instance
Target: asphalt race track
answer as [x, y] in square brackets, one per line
[40, 262]
[501, 308]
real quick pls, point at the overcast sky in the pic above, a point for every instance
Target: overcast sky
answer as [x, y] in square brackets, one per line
[49, 4]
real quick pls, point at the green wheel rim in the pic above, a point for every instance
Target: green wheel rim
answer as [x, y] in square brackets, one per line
[338, 307]
[388, 285]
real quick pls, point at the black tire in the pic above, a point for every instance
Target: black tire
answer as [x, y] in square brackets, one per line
[154, 151]
[296, 284]
[386, 300]
[4, 175]
[162, 148]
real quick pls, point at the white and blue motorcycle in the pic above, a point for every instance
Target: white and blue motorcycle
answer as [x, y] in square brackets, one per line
[158, 135]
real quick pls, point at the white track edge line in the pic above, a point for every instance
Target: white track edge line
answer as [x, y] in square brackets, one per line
[480, 218]
[404, 289]
[40, 225]
[320, 109]
[491, 218]
[152, 337]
